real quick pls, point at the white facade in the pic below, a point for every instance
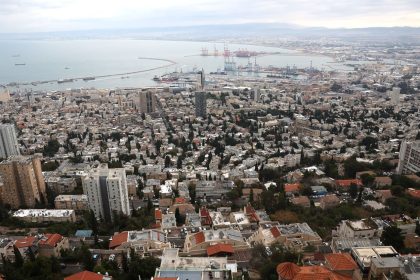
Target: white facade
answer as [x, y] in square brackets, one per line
[8, 141]
[409, 158]
[107, 192]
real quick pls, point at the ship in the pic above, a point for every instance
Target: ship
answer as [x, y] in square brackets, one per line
[61, 81]
[88, 79]
[20, 64]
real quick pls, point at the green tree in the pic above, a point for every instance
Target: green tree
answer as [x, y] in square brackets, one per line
[353, 191]
[391, 236]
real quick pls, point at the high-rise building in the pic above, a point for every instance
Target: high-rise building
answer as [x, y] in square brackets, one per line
[409, 157]
[147, 102]
[201, 104]
[24, 184]
[395, 95]
[8, 141]
[106, 190]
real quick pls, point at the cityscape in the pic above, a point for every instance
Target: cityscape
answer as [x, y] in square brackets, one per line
[190, 150]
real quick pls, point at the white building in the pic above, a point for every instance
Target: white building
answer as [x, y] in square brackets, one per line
[395, 95]
[8, 141]
[409, 158]
[107, 192]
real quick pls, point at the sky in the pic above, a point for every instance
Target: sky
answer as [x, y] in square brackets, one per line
[64, 15]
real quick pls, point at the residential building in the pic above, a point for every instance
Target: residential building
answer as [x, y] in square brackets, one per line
[106, 190]
[52, 244]
[149, 241]
[68, 201]
[201, 104]
[173, 267]
[147, 101]
[329, 201]
[8, 141]
[293, 236]
[24, 184]
[365, 228]
[45, 215]
[88, 275]
[197, 243]
[409, 159]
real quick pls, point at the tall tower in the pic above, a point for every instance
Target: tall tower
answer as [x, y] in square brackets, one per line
[8, 141]
[147, 102]
[107, 192]
[24, 184]
[201, 104]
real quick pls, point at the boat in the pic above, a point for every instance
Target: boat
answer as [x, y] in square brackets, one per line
[66, 68]
[88, 79]
[16, 55]
[20, 64]
[156, 79]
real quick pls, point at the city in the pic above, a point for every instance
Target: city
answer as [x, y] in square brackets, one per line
[256, 170]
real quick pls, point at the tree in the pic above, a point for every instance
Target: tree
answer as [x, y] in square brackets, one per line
[353, 191]
[18, 257]
[391, 236]
[178, 217]
[167, 161]
[86, 258]
[367, 179]
[93, 223]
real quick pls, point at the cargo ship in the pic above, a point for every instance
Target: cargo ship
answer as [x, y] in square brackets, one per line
[61, 81]
[20, 64]
[88, 79]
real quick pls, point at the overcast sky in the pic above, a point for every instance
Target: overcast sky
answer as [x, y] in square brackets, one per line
[56, 15]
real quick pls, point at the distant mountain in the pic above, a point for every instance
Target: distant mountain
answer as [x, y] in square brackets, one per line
[236, 31]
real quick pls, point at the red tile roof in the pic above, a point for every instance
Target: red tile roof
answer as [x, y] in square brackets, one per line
[158, 214]
[287, 270]
[275, 232]
[205, 217]
[85, 275]
[337, 262]
[414, 193]
[52, 239]
[180, 200]
[290, 271]
[25, 242]
[346, 183]
[219, 248]
[118, 239]
[291, 187]
[199, 237]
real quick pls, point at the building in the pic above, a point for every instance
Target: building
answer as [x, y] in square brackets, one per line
[302, 201]
[147, 102]
[409, 161]
[8, 141]
[201, 104]
[149, 241]
[365, 255]
[197, 243]
[52, 244]
[329, 201]
[338, 267]
[45, 215]
[292, 236]
[175, 267]
[395, 95]
[75, 202]
[365, 228]
[24, 184]
[87, 275]
[60, 184]
[107, 193]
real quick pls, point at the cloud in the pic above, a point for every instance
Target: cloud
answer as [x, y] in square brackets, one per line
[51, 15]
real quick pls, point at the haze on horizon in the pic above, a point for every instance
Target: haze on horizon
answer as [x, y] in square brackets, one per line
[62, 15]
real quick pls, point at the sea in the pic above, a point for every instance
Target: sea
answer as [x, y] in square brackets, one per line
[27, 61]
